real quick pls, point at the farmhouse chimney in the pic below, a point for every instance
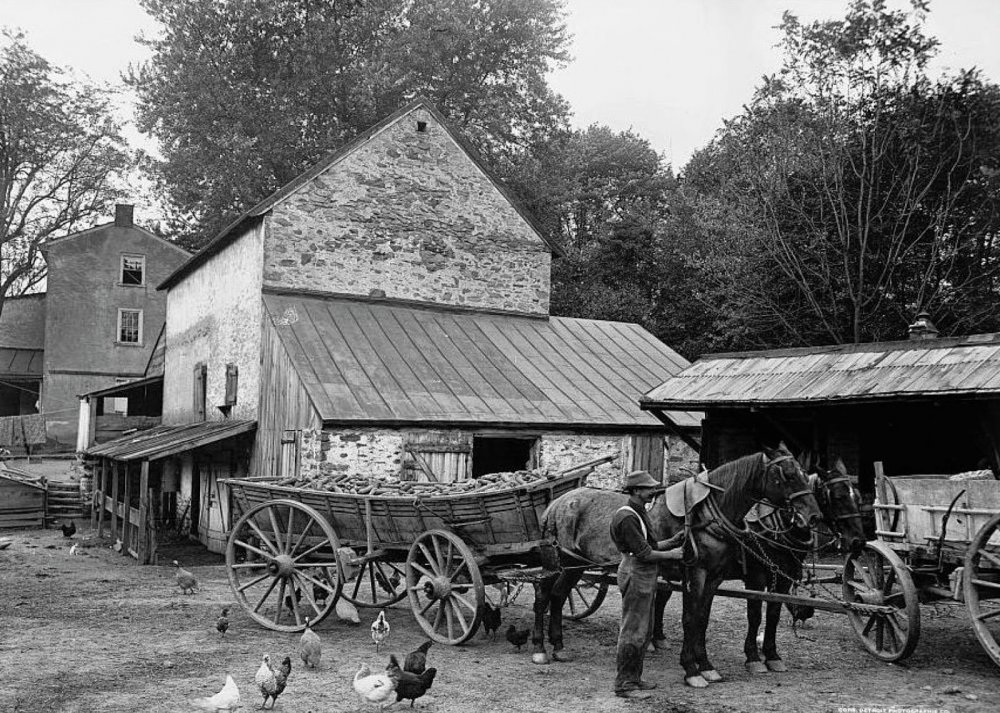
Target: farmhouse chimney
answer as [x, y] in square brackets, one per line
[123, 215]
[923, 327]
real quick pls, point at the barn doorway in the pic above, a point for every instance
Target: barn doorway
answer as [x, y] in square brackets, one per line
[493, 454]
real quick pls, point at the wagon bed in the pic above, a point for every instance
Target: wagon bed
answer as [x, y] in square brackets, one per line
[294, 551]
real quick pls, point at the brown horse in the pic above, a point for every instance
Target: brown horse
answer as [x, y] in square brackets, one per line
[579, 522]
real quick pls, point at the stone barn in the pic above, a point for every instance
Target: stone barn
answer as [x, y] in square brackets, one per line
[387, 314]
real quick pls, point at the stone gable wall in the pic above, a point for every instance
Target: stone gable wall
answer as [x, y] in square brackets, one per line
[408, 215]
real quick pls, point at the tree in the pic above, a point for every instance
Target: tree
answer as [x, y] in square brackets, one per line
[60, 150]
[859, 190]
[243, 96]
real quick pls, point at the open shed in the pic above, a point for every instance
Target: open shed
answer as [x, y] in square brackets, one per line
[921, 406]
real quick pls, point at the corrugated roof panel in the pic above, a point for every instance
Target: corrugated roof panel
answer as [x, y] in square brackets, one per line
[163, 441]
[378, 361]
[851, 372]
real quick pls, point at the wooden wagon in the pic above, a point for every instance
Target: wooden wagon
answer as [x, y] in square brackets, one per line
[293, 551]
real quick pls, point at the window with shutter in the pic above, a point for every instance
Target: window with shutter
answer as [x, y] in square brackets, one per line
[200, 377]
[232, 382]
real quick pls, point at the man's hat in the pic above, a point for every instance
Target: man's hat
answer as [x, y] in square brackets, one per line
[641, 479]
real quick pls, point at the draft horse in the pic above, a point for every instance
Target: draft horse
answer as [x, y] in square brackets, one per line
[579, 523]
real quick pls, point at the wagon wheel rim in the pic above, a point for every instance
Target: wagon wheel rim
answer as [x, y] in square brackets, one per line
[379, 584]
[585, 598]
[981, 586]
[445, 587]
[877, 576]
[278, 548]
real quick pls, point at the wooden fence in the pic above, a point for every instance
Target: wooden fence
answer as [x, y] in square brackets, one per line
[22, 500]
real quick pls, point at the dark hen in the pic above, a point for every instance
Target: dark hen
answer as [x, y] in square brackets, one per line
[416, 661]
[409, 685]
[68, 530]
[518, 638]
[222, 625]
[491, 620]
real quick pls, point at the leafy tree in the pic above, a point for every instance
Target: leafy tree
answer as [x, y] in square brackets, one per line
[858, 190]
[243, 96]
[60, 150]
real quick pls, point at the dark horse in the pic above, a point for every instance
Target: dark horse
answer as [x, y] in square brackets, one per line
[579, 523]
[775, 563]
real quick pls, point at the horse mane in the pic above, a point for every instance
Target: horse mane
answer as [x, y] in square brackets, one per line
[737, 478]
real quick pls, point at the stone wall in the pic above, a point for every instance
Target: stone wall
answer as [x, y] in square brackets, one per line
[368, 451]
[410, 216]
[562, 451]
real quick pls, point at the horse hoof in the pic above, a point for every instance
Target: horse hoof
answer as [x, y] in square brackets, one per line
[696, 681]
[659, 644]
[711, 675]
[561, 656]
[756, 667]
[540, 658]
[776, 665]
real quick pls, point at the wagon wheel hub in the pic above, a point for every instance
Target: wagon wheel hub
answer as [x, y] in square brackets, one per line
[872, 596]
[437, 588]
[281, 566]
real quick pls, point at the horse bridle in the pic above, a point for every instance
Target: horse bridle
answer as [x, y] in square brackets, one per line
[825, 486]
[798, 493]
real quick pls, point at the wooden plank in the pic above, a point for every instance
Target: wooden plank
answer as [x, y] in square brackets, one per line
[115, 475]
[126, 502]
[144, 506]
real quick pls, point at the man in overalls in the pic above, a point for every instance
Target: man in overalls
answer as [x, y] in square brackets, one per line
[633, 535]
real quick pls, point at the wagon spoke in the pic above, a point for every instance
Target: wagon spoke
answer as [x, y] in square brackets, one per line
[318, 546]
[302, 537]
[441, 562]
[868, 627]
[461, 565]
[266, 594]
[983, 552]
[428, 605]
[249, 565]
[894, 595]
[890, 581]
[451, 551]
[431, 561]
[857, 586]
[458, 612]
[879, 633]
[440, 611]
[255, 550]
[986, 583]
[988, 615]
[276, 528]
[302, 580]
[448, 614]
[291, 529]
[260, 533]
[896, 630]
[281, 601]
[371, 578]
[423, 570]
[458, 597]
[261, 578]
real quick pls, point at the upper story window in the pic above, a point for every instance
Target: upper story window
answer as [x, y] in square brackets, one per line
[133, 270]
[130, 326]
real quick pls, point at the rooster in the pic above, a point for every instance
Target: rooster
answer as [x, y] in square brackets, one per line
[416, 661]
[380, 630]
[185, 580]
[518, 638]
[281, 678]
[228, 699]
[68, 530]
[222, 625]
[491, 620]
[376, 688]
[409, 685]
[310, 648]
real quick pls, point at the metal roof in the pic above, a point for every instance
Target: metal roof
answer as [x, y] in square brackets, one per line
[164, 441]
[21, 363]
[123, 389]
[232, 231]
[855, 373]
[378, 362]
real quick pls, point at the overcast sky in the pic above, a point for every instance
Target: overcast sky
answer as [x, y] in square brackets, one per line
[671, 70]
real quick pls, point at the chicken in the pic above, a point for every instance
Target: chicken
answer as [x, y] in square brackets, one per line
[68, 530]
[800, 613]
[281, 678]
[266, 680]
[388, 584]
[185, 580]
[310, 648]
[518, 638]
[222, 625]
[409, 685]
[228, 699]
[416, 661]
[346, 611]
[288, 600]
[491, 619]
[376, 688]
[73, 549]
[380, 630]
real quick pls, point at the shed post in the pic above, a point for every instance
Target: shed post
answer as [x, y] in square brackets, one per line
[126, 509]
[114, 501]
[102, 504]
[142, 547]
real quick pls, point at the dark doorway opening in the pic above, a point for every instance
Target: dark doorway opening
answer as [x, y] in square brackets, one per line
[501, 455]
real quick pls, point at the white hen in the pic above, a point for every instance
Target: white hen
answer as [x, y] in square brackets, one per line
[376, 688]
[310, 647]
[228, 699]
[380, 630]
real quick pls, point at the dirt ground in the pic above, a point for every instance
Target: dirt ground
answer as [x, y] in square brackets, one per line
[98, 633]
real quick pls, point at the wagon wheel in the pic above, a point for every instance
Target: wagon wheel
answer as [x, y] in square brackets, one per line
[280, 560]
[445, 587]
[982, 586]
[585, 598]
[378, 584]
[878, 577]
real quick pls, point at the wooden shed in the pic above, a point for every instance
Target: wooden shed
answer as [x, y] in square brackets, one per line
[920, 406]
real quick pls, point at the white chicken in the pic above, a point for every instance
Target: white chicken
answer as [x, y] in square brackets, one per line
[347, 611]
[376, 688]
[380, 630]
[265, 679]
[228, 699]
[310, 647]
